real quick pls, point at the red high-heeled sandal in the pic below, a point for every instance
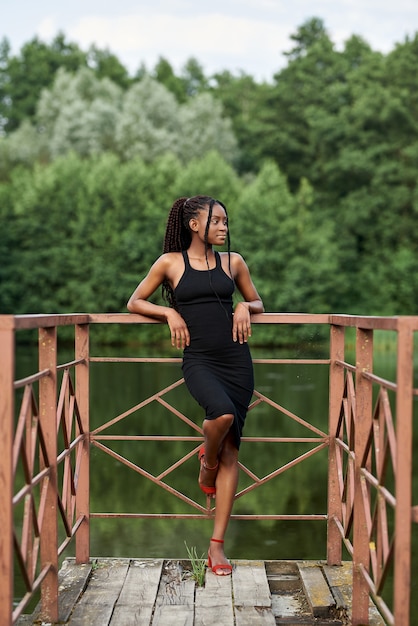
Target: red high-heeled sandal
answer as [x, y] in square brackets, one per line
[209, 491]
[226, 567]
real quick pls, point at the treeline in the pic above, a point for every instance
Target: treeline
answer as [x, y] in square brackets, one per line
[318, 169]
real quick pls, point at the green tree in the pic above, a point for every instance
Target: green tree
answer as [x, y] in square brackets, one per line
[368, 173]
[290, 253]
[306, 37]
[202, 128]
[190, 82]
[209, 175]
[42, 218]
[107, 65]
[79, 113]
[163, 73]
[4, 80]
[325, 211]
[24, 76]
[89, 115]
[301, 91]
[148, 125]
[22, 147]
[245, 103]
[194, 78]
[79, 238]
[9, 247]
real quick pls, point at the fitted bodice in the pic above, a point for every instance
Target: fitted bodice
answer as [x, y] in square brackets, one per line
[204, 300]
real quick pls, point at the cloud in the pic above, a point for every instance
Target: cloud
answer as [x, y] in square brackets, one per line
[248, 35]
[217, 41]
[47, 28]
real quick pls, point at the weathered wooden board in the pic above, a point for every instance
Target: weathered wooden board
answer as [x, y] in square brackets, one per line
[175, 599]
[254, 616]
[95, 607]
[156, 592]
[252, 597]
[316, 589]
[250, 584]
[289, 605]
[136, 602]
[173, 615]
[340, 579]
[72, 580]
[213, 602]
[25, 620]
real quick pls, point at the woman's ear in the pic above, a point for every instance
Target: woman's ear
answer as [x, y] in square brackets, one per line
[193, 224]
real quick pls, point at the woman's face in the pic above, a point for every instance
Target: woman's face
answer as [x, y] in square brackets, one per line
[218, 227]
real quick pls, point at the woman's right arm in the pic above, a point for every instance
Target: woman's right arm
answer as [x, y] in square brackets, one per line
[138, 303]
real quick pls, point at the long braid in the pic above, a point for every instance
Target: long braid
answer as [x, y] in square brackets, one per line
[178, 234]
[211, 203]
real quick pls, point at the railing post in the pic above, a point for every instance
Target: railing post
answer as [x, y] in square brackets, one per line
[336, 390]
[403, 487]
[48, 422]
[7, 341]
[363, 422]
[83, 478]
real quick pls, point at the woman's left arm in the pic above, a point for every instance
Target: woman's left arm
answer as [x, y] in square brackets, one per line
[252, 303]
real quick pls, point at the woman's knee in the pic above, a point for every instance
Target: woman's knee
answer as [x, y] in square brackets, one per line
[221, 424]
[227, 420]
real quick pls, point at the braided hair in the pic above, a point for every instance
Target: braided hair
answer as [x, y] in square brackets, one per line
[178, 233]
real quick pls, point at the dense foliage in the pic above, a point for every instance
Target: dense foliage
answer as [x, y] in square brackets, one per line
[318, 170]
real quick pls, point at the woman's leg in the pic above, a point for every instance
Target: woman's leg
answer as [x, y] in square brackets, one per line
[214, 432]
[226, 486]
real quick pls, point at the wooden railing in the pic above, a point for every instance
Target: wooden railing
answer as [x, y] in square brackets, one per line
[45, 439]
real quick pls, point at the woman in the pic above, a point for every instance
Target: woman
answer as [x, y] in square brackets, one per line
[198, 284]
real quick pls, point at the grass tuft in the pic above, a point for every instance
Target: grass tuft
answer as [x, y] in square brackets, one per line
[198, 565]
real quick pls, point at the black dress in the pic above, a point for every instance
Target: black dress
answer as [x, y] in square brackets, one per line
[218, 371]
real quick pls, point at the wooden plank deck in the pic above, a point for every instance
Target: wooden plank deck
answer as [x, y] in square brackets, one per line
[161, 592]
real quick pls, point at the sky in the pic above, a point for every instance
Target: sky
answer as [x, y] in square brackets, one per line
[236, 35]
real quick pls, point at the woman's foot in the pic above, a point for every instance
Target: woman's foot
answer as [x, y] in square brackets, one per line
[207, 475]
[217, 560]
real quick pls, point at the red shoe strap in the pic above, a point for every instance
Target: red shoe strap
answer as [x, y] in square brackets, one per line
[217, 540]
[210, 468]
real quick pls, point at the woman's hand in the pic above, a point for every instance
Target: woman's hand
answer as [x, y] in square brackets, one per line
[241, 327]
[180, 336]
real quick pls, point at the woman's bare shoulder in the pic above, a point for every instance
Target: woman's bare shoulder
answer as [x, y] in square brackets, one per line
[170, 265]
[236, 258]
[168, 259]
[235, 263]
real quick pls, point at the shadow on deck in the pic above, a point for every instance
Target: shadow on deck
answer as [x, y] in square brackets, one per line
[145, 592]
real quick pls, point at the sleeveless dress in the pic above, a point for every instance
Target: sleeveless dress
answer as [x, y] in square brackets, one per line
[217, 370]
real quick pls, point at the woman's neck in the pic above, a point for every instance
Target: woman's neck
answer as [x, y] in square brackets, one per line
[199, 253]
